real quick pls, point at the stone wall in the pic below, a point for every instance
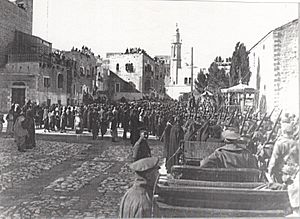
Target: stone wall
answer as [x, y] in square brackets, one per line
[261, 62]
[13, 18]
[274, 66]
[286, 72]
[32, 74]
[121, 60]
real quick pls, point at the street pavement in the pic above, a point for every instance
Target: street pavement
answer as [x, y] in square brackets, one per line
[66, 176]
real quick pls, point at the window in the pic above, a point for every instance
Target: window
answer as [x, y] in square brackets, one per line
[129, 67]
[74, 89]
[46, 82]
[117, 87]
[190, 80]
[60, 81]
[185, 80]
[148, 68]
[81, 70]
[117, 67]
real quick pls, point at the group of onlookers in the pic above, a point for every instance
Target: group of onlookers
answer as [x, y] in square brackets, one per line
[21, 126]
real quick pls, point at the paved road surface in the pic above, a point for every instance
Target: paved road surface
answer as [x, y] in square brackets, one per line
[66, 175]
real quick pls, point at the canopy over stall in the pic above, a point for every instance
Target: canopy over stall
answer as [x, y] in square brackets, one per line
[244, 94]
[240, 88]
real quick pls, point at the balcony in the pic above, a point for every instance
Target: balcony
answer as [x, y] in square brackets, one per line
[12, 58]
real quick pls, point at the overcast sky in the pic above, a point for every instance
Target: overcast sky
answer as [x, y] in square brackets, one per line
[212, 28]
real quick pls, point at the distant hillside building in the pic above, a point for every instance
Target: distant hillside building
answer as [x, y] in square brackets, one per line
[223, 63]
[274, 65]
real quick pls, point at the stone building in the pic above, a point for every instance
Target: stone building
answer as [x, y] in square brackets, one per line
[82, 73]
[14, 15]
[32, 72]
[118, 88]
[111, 87]
[136, 67]
[274, 65]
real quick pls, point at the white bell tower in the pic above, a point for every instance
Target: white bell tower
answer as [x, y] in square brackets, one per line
[175, 57]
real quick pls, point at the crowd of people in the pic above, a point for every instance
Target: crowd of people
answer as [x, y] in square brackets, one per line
[249, 139]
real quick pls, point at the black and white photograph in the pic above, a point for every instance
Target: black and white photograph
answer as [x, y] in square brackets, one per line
[149, 108]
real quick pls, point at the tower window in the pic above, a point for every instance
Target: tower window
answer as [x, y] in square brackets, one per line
[185, 80]
[117, 67]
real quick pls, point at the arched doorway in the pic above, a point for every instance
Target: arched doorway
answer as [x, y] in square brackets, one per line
[18, 93]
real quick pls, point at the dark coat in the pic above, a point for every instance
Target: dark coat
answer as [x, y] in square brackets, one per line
[141, 150]
[176, 135]
[167, 140]
[30, 139]
[137, 201]
[230, 155]
[134, 128]
[95, 123]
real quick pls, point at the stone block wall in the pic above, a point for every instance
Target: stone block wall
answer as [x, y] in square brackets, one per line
[286, 72]
[121, 60]
[13, 18]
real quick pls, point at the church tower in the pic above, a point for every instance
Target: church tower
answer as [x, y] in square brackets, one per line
[175, 57]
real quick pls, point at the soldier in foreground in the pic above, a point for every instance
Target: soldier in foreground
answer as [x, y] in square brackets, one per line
[232, 155]
[138, 200]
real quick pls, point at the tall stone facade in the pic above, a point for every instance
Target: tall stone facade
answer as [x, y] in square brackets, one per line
[13, 16]
[286, 57]
[136, 67]
[82, 74]
[274, 66]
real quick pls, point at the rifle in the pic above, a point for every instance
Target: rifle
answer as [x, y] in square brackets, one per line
[271, 113]
[259, 125]
[245, 118]
[273, 129]
[220, 116]
[231, 117]
[226, 112]
[163, 134]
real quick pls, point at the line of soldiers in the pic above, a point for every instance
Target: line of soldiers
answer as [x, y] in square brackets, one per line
[250, 140]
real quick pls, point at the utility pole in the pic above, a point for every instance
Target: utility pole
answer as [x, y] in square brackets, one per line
[192, 71]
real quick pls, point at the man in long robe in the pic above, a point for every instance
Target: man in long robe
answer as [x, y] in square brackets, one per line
[30, 126]
[20, 132]
[176, 135]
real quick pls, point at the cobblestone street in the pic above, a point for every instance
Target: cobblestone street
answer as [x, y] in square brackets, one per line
[65, 176]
